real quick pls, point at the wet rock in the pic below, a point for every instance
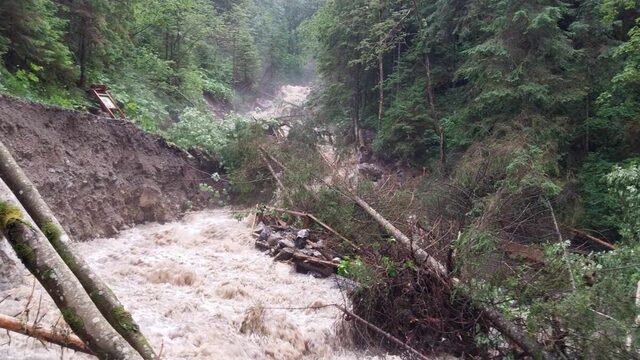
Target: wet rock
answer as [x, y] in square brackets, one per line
[259, 228]
[265, 233]
[284, 255]
[301, 238]
[274, 239]
[371, 171]
[262, 245]
[346, 284]
[286, 243]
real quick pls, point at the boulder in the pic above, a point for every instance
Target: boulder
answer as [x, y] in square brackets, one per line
[274, 239]
[265, 233]
[301, 238]
[372, 172]
[286, 243]
[284, 255]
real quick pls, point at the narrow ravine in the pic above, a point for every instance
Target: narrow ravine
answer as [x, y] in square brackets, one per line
[196, 286]
[190, 285]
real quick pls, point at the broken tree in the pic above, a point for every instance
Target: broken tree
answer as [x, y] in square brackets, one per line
[42, 260]
[104, 299]
[508, 329]
[65, 340]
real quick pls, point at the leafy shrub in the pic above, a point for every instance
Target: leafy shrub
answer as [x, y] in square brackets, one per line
[219, 89]
[625, 186]
[198, 128]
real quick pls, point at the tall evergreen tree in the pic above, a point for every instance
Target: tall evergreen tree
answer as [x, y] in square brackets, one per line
[31, 33]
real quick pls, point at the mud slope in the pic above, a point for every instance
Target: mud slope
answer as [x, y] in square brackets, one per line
[100, 175]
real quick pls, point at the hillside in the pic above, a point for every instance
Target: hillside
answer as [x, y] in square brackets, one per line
[100, 174]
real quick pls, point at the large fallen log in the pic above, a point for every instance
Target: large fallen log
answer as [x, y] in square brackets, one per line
[69, 341]
[42, 260]
[507, 328]
[422, 257]
[104, 299]
[526, 342]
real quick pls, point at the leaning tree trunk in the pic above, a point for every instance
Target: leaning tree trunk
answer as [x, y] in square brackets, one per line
[42, 260]
[422, 257]
[104, 299]
[499, 322]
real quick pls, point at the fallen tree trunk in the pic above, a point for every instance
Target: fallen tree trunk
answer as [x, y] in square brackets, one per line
[104, 299]
[422, 257]
[528, 344]
[591, 238]
[41, 259]
[497, 319]
[69, 341]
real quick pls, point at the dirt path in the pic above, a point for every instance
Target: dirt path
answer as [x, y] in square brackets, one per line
[190, 285]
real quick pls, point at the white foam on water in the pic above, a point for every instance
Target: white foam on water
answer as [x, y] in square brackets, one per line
[191, 285]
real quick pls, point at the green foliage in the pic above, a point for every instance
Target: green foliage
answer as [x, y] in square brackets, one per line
[601, 211]
[197, 128]
[157, 57]
[405, 132]
[625, 186]
[354, 268]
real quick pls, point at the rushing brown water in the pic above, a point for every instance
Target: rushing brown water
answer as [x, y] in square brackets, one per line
[190, 285]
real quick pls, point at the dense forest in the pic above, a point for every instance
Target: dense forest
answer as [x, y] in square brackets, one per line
[158, 57]
[527, 112]
[505, 124]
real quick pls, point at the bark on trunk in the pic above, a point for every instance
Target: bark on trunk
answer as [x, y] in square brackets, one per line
[104, 299]
[630, 338]
[380, 89]
[69, 341]
[422, 257]
[42, 260]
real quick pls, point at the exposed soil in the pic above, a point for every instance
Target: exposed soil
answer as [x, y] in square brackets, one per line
[101, 175]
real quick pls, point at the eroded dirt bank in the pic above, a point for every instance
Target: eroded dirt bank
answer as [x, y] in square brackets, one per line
[100, 175]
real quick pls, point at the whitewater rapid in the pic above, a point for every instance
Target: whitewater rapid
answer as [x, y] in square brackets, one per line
[190, 285]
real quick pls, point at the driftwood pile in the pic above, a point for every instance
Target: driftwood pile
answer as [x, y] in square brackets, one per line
[307, 249]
